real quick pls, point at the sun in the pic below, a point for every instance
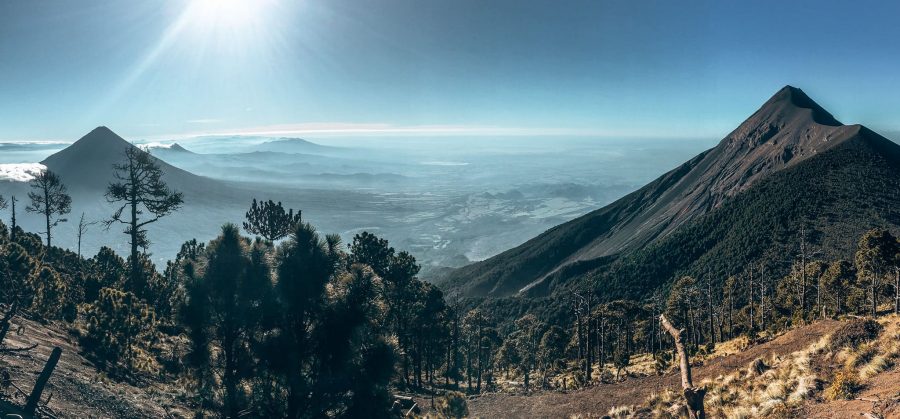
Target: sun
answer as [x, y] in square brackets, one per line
[226, 14]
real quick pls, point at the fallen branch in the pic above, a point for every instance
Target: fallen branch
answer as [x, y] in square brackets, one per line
[12, 350]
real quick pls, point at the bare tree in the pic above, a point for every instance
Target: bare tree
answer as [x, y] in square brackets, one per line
[139, 188]
[83, 228]
[50, 198]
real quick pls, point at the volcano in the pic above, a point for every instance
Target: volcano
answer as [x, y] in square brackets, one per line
[788, 136]
[87, 165]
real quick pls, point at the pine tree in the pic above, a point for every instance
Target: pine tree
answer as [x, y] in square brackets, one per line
[836, 283]
[222, 310]
[875, 253]
[139, 188]
[50, 198]
[306, 264]
[50, 291]
[270, 220]
[117, 330]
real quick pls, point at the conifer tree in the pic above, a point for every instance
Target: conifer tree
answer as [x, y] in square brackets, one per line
[270, 220]
[49, 197]
[306, 264]
[49, 293]
[222, 311]
[875, 253]
[140, 191]
[118, 329]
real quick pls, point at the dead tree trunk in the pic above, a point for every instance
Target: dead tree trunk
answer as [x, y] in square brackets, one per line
[35, 396]
[897, 290]
[693, 396]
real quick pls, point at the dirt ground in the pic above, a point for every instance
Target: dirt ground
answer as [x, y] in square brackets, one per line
[595, 401]
[76, 389]
[881, 396]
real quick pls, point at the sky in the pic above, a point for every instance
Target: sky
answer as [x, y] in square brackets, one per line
[170, 68]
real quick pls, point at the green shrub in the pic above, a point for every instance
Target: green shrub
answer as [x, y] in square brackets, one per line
[453, 405]
[118, 329]
[50, 292]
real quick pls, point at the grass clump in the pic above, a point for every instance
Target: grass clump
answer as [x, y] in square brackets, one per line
[843, 387]
[757, 367]
[621, 412]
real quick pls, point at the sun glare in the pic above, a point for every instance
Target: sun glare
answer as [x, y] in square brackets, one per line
[225, 14]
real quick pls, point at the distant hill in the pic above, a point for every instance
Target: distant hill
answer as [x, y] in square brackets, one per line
[790, 163]
[178, 148]
[294, 145]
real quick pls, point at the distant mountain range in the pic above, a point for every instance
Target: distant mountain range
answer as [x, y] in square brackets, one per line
[790, 165]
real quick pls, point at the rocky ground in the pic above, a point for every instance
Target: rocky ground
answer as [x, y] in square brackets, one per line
[76, 389]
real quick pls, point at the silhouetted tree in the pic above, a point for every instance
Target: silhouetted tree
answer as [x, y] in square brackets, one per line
[306, 264]
[13, 227]
[528, 337]
[270, 220]
[106, 270]
[552, 347]
[139, 187]
[50, 198]
[222, 311]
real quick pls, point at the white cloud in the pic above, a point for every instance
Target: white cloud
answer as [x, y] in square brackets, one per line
[20, 172]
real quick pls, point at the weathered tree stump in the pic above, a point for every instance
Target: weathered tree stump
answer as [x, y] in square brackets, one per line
[693, 396]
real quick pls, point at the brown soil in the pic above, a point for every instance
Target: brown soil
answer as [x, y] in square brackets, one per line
[76, 389]
[880, 397]
[598, 399]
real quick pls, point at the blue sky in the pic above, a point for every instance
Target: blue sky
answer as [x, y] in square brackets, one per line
[168, 68]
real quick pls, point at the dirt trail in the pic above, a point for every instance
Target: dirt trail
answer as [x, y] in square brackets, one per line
[597, 400]
[76, 389]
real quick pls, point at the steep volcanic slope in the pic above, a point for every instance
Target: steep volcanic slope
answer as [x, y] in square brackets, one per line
[834, 196]
[786, 131]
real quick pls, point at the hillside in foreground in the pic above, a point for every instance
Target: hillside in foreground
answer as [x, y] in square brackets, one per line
[794, 372]
[77, 388]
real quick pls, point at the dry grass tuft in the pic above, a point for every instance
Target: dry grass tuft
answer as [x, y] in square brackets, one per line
[843, 387]
[757, 367]
[621, 412]
[877, 365]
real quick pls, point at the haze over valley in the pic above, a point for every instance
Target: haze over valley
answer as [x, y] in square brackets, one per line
[449, 200]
